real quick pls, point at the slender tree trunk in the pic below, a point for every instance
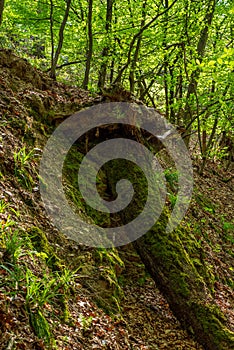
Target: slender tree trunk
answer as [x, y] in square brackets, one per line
[134, 39]
[171, 95]
[113, 60]
[1, 10]
[60, 42]
[51, 31]
[106, 49]
[207, 146]
[165, 62]
[90, 46]
[137, 51]
[201, 46]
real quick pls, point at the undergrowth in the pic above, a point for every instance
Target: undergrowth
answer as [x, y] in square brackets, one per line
[26, 273]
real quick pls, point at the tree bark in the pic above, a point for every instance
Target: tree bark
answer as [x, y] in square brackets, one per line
[90, 46]
[1, 10]
[106, 49]
[177, 264]
[60, 43]
[201, 46]
[188, 295]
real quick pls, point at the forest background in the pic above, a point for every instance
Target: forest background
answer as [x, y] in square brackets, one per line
[176, 56]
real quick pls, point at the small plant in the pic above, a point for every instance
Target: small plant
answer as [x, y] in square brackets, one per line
[172, 199]
[172, 178]
[3, 206]
[21, 160]
[13, 246]
[13, 276]
[86, 322]
[40, 292]
[22, 157]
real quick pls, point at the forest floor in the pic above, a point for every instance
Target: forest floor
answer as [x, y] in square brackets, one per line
[92, 309]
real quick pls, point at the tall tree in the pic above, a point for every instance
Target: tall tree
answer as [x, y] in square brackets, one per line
[106, 49]
[137, 51]
[1, 10]
[135, 38]
[60, 40]
[89, 52]
[201, 46]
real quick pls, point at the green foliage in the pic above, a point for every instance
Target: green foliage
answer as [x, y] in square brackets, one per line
[127, 51]
[109, 255]
[86, 322]
[22, 166]
[3, 206]
[41, 326]
[27, 25]
[50, 284]
[171, 177]
[13, 246]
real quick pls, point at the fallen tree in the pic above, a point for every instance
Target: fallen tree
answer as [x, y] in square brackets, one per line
[174, 258]
[176, 262]
[167, 258]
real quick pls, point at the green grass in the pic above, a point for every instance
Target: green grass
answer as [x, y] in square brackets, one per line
[26, 271]
[22, 160]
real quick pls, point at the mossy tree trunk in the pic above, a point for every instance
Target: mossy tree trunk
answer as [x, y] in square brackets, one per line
[175, 261]
[186, 290]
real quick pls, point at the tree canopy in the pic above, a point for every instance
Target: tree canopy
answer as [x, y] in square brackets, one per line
[177, 56]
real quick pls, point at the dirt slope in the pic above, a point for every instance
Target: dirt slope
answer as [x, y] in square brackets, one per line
[31, 105]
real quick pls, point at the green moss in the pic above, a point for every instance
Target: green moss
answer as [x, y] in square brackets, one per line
[41, 244]
[70, 172]
[174, 259]
[212, 322]
[18, 123]
[41, 327]
[204, 202]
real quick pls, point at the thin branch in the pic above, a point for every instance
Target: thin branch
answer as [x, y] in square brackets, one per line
[137, 35]
[66, 64]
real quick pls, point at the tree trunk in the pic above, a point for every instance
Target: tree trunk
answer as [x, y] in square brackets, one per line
[137, 51]
[201, 46]
[177, 264]
[90, 46]
[106, 49]
[1, 10]
[51, 33]
[170, 265]
[60, 42]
